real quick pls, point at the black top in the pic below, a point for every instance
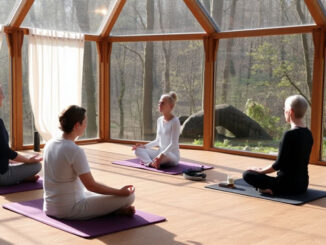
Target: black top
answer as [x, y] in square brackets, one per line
[5, 152]
[293, 157]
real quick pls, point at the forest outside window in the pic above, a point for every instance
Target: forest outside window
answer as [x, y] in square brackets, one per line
[140, 73]
[253, 78]
[249, 14]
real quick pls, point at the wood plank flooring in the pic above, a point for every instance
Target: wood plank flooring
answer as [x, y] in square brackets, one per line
[195, 215]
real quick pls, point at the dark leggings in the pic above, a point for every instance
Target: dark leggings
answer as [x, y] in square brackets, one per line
[263, 181]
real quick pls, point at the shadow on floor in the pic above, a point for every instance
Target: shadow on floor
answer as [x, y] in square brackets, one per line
[3, 242]
[151, 234]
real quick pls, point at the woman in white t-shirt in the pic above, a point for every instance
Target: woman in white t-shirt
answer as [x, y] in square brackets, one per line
[67, 174]
[167, 137]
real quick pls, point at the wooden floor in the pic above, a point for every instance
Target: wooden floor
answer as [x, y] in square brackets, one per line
[195, 215]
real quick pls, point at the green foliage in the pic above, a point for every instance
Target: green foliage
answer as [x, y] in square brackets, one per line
[263, 117]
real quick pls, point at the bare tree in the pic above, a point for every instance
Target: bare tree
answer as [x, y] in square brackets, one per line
[148, 78]
[88, 73]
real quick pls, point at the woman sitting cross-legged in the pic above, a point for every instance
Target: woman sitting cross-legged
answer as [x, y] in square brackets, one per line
[15, 168]
[66, 173]
[167, 137]
[293, 158]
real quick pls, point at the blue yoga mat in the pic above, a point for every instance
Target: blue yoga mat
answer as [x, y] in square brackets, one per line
[242, 188]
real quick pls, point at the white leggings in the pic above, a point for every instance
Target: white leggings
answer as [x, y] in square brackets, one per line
[94, 205]
[147, 156]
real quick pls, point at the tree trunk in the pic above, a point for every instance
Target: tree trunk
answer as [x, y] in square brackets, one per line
[305, 49]
[88, 73]
[121, 93]
[229, 66]
[148, 77]
[166, 46]
[217, 11]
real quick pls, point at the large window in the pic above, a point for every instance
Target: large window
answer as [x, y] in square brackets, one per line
[8, 7]
[156, 16]
[253, 78]
[90, 93]
[249, 14]
[5, 110]
[86, 16]
[141, 72]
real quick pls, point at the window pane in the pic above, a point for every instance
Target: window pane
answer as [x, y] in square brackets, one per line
[6, 10]
[5, 111]
[85, 16]
[176, 66]
[249, 14]
[254, 76]
[89, 94]
[165, 16]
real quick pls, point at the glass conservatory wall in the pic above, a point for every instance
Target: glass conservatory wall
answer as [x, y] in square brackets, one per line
[85, 16]
[168, 16]
[253, 78]
[250, 14]
[90, 94]
[176, 66]
[5, 111]
[6, 10]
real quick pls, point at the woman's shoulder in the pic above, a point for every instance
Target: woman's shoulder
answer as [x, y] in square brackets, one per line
[175, 119]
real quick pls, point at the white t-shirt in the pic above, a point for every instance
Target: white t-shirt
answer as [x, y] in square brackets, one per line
[64, 161]
[167, 136]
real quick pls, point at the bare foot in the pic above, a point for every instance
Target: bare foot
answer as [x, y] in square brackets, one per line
[155, 165]
[128, 211]
[32, 179]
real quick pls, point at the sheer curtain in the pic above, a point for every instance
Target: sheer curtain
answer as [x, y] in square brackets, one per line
[55, 76]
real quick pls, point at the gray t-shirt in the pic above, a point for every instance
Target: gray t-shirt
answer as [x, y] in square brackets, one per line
[64, 161]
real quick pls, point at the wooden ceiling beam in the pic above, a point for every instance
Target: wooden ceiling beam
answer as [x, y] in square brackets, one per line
[288, 30]
[201, 16]
[21, 13]
[158, 37]
[317, 11]
[107, 28]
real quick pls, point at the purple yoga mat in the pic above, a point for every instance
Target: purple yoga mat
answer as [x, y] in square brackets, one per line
[182, 166]
[84, 228]
[24, 186]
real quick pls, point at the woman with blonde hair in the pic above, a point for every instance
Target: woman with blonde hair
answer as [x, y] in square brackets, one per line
[167, 137]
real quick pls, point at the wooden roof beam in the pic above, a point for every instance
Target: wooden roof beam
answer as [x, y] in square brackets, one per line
[317, 11]
[286, 30]
[21, 13]
[107, 28]
[202, 17]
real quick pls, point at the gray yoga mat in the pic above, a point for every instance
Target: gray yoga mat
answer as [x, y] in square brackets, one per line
[242, 188]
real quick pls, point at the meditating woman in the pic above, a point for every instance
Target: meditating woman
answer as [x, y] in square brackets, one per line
[66, 173]
[293, 158]
[167, 137]
[15, 168]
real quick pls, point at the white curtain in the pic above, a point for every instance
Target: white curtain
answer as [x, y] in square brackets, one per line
[55, 76]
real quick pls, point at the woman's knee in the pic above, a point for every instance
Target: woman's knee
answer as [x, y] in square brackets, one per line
[247, 175]
[37, 166]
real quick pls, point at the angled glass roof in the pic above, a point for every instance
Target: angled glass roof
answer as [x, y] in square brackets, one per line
[7, 7]
[250, 14]
[324, 3]
[168, 16]
[86, 16]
